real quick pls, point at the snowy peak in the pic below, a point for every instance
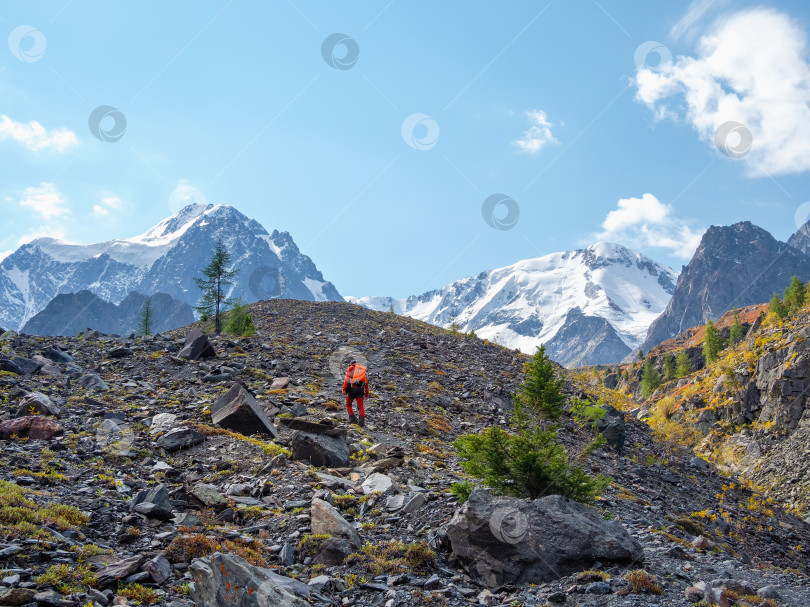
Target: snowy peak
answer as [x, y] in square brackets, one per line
[604, 296]
[166, 258]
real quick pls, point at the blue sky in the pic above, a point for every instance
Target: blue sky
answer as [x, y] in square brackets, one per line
[560, 106]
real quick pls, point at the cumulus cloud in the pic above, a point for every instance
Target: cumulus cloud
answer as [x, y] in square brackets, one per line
[647, 222]
[45, 200]
[538, 135]
[36, 137]
[109, 200]
[750, 67]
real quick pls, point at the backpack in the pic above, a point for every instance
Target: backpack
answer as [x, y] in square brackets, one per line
[359, 377]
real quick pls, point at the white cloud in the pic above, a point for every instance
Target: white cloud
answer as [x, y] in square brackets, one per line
[696, 11]
[42, 232]
[109, 200]
[539, 134]
[36, 137]
[749, 68]
[647, 222]
[44, 199]
[4, 254]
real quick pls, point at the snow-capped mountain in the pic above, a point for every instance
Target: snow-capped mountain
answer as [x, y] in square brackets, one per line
[591, 305]
[164, 259]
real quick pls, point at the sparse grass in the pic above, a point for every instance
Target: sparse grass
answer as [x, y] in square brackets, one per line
[394, 557]
[642, 582]
[184, 548]
[592, 575]
[66, 579]
[46, 477]
[140, 595]
[267, 447]
[21, 516]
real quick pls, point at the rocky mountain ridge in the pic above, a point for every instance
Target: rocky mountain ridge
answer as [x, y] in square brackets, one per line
[72, 313]
[165, 259]
[173, 508]
[588, 306]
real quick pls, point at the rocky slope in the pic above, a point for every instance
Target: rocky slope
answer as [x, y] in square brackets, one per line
[589, 306]
[134, 447]
[72, 313]
[734, 266]
[165, 259]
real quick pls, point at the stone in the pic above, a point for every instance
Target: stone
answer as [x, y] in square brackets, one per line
[26, 365]
[701, 543]
[333, 551]
[37, 403]
[287, 555]
[120, 352]
[48, 597]
[414, 503]
[17, 596]
[158, 497]
[509, 541]
[612, 427]
[377, 482]
[197, 346]
[320, 450]
[31, 426]
[208, 495]
[280, 383]
[224, 580]
[180, 438]
[57, 355]
[598, 588]
[117, 571]
[769, 592]
[238, 411]
[325, 519]
[10, 367]
[91, 381]
[162, 422]
[158, 568]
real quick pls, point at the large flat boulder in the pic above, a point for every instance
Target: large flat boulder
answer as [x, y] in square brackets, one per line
[509, 541]
[225, 580]
[320, 450]
[238, 411]
[37, 403]
[180, 437]
[327, 520]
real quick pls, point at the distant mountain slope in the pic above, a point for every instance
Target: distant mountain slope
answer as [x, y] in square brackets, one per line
[164, 259]
[800, 239]
[71, 313]
[734, 266]
[590, 306]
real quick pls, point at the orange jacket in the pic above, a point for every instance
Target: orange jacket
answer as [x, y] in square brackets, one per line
[347, 380]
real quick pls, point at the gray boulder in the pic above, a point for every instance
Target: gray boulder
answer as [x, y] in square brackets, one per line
[327, 520]
[179, 438]
[509, 541]
[612, 427]
[92, 381]
[224, 580]
[237, 410]
[158, 497]
[27, 365]
[37, 403]
[320, 450]
[196, 346]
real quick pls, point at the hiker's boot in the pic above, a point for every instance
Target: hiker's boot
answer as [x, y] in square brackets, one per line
[352, 419]
[362, 422]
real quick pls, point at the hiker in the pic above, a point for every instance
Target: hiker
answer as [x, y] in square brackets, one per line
[355, 386]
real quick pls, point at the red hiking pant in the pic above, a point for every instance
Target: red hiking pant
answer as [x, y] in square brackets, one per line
[359, 399]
